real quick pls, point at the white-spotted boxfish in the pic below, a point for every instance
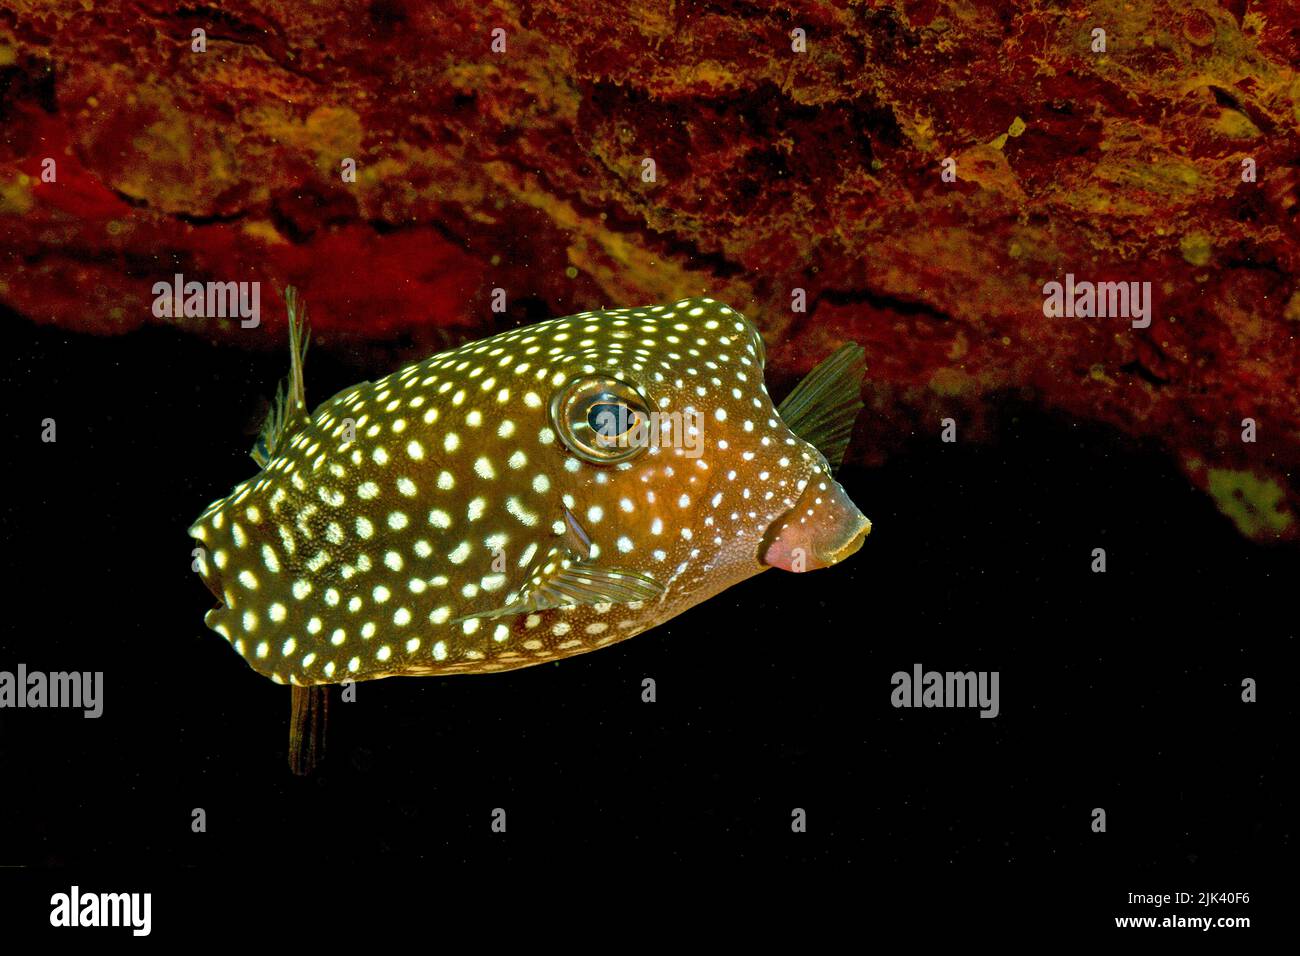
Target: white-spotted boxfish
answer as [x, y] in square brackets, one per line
[538, 494]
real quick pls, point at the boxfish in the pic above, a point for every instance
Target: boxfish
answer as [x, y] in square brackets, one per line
[541, 493]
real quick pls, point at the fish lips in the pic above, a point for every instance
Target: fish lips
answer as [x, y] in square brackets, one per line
[823, 528]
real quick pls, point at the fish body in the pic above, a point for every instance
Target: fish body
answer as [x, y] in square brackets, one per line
[541, 493]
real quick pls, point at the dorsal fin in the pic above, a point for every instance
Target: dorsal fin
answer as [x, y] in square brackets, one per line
[823, 407]
[290, 404]
[299, 337]
[268, 436]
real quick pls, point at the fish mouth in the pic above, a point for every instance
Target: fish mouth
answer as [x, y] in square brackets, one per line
[823, 528]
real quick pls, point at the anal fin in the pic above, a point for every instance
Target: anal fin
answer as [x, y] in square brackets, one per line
[308, 710]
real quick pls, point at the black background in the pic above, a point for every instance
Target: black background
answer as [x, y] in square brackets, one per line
[1118, 690]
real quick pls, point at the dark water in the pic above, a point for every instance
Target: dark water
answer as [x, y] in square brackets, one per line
[1117, 690]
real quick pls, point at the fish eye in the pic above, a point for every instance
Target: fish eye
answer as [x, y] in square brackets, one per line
[601, 420]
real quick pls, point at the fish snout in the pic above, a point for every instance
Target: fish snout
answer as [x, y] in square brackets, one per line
[823, 528]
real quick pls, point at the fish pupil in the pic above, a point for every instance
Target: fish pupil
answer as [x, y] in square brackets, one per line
[609, 420]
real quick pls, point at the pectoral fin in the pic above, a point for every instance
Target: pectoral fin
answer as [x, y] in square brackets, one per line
[567, 576]
[823, 407]
[578, 584]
